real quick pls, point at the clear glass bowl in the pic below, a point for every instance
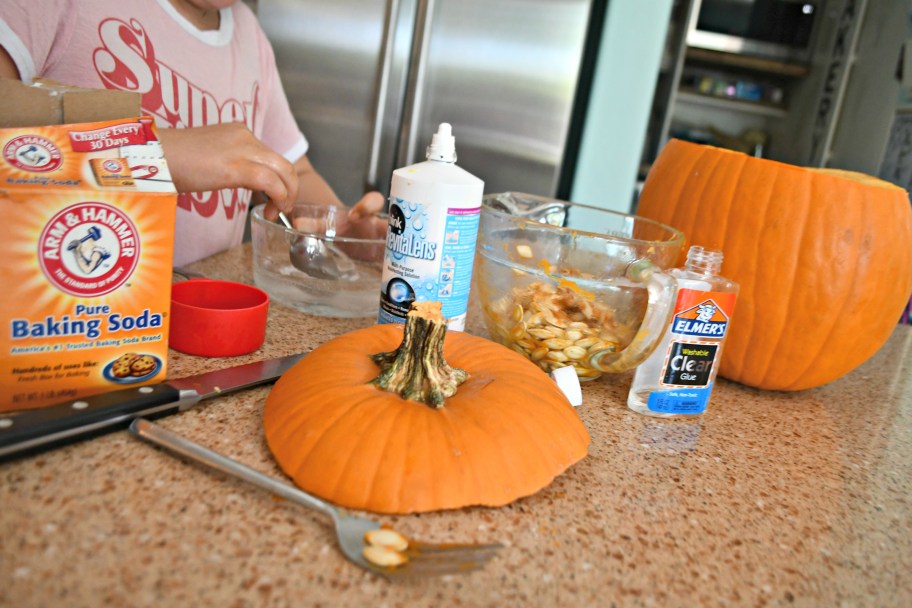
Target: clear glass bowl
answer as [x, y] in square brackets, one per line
[589, 293]
[286, 284]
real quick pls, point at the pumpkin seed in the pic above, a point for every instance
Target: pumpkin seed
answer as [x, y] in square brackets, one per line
[557, 343]
[383, 556]
[555, 326]
[526, 344]
[517, 313]
[585, 372]
[524, 251]
[542, 334]
[539, 353]
[385, 537]
[587, 342]
[575, 352]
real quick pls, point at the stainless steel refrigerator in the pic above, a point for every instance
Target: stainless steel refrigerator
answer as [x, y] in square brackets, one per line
[370, 80]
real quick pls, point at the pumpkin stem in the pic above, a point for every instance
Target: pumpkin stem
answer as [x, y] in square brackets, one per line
[417, 370]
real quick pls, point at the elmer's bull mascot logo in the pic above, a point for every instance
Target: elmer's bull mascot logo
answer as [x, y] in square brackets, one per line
[705, 320]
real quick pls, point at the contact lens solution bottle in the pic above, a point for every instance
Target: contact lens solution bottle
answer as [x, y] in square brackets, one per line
[677, 378]
[434, 211]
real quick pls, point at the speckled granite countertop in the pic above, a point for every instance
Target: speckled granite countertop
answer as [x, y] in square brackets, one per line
[769, 499]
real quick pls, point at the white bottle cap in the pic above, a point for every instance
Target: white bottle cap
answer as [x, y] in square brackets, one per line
[443, 144]
[568, 383]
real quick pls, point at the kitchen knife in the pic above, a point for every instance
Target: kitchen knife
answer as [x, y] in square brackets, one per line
[27, 431]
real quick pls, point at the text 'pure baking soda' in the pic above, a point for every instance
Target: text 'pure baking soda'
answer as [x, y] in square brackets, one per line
[430, 241]
[86, 241]
[678, 377]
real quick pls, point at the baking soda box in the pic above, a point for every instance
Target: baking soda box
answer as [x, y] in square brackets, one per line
[86, 245]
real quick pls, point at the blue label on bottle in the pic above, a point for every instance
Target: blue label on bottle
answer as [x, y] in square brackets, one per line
[429, 255]
[456, 260]
[680, 400]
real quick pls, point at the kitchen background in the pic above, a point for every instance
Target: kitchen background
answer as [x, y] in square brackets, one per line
[574, 98]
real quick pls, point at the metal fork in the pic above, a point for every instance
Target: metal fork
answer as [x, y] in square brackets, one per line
[423, 559]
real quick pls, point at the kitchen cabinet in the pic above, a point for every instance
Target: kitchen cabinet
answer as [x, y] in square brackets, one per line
[825, 109]
[731, 99]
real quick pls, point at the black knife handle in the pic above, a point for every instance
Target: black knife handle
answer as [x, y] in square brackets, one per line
[28, 431]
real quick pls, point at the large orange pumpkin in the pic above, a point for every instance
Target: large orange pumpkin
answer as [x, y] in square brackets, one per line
[505, 433]
[823, 257]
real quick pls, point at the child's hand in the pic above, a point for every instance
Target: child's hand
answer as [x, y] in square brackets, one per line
[228, 155]
[362, 221]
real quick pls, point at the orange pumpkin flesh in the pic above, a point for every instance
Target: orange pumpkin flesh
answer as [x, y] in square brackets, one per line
[823, 258]
[505, 434]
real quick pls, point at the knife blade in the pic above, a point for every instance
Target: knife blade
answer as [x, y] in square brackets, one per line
[27, 431]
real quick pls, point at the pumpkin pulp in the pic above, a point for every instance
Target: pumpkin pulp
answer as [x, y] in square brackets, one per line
[417, 369]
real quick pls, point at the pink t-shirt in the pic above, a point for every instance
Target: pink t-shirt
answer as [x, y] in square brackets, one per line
[187, 77]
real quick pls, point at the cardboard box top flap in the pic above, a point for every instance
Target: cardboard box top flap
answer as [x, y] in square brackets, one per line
[114, 155]
[83, 106]
[24, 105]
[48, 102]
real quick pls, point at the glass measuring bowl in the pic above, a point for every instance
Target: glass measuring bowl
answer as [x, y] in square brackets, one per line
[590, 293]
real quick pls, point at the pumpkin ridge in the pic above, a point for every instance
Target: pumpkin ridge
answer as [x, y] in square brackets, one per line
[740, 314]
[728, 207]
[293, 421]
[284, 424]
[523, 465]
[300, 465]
[784, 333]
[680, 183]
[694, 173]
[492, 437]
[467, 473]
[727, 213]
[406, 469]
[764, 366]
[854, 292]
[352, 432]
[830, 313]
[342, 480]
[451, 431]
[476, 460]
[423, 433]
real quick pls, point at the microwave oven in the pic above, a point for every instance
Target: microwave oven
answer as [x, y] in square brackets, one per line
[772, 29]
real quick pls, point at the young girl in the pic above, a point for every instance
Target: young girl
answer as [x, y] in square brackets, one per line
[207, 75]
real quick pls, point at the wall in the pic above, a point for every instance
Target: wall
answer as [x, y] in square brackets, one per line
[897, 163]
[863, 124]
[620, 101]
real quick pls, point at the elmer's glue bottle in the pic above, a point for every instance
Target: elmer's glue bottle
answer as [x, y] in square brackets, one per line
[677, 378]
[430, 241]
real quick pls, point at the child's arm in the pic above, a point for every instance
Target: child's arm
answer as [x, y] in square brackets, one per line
[8, 69]
[228, 155]
[359, 222]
